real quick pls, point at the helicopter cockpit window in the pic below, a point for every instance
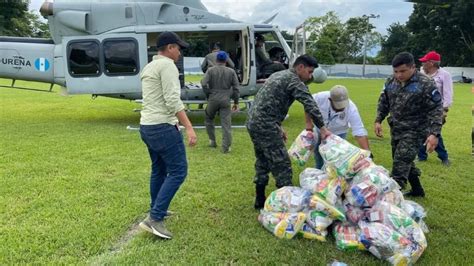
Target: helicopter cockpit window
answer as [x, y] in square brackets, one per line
[83, 58]
[120, 57]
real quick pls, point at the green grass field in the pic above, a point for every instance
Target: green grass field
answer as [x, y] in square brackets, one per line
[74, 184]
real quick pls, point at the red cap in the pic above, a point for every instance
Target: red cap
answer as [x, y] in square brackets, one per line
[431, 56]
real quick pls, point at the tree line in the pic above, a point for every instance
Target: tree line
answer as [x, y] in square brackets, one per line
[16, 20]
[447, 27]
[444, 26]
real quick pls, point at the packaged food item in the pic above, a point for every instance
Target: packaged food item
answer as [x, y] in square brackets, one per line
[369, 186]
[302, 148]
[386, 243]
[315, 180]
[362, 194]
[282, 224]
[319, 204]
[378, 176]
[353, 213]
[416, 212]
[308, 232]
[342, 156]
[287, 199]
[319, 221]
[396, 219]
[347, 236]
[394, 197]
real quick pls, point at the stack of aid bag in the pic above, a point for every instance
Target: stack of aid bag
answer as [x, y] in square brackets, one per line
[357, 199]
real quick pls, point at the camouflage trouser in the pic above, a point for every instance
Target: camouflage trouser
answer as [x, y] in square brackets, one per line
[223, 107]
[404, 151]
[271, 156]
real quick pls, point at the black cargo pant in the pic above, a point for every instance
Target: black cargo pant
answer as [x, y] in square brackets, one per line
[404, 151]
[271, 156]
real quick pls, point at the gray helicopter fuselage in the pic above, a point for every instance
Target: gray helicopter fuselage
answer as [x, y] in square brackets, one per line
[100, 47]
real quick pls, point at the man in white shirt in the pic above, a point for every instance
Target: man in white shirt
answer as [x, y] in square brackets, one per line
[339, 114]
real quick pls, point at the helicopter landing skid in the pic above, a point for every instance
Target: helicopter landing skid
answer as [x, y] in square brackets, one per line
[196, 107]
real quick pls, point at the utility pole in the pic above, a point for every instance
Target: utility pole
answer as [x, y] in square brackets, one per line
[365, 40]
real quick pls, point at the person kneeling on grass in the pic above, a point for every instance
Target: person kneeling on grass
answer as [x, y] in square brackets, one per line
[339, 114]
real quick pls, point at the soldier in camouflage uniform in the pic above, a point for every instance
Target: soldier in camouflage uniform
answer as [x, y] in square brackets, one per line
[415, 107]
[266, 115]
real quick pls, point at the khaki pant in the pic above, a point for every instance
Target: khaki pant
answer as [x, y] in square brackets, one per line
[223, 107]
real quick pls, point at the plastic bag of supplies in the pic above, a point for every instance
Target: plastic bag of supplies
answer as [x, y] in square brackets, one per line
[317, 181]
[353, 213]
[416, 212]
[308, 232]
[342, 156]
[282, 224]
[302, 148]
[386, 243]
[287, 199]
[397, 219]
[319, 221]
[319, 204]
[347, 236]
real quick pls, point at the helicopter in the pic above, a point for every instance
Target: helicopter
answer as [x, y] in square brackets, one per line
[99, 47]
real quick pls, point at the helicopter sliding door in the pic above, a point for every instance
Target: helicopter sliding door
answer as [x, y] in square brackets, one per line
[105, 65]
[233, 38]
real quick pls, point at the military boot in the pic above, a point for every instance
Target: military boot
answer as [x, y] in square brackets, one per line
[400, 181]
[416, 188]
[260, 196]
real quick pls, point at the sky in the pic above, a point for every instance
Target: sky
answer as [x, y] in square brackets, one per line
[292, 13]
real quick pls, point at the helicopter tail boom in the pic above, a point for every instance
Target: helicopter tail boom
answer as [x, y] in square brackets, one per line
[27, 59]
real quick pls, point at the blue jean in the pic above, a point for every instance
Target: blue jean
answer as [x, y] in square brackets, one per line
[440, 150]
[317, 156]
[168, 165]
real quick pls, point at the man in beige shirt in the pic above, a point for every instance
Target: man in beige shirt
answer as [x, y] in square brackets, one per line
[162, 110]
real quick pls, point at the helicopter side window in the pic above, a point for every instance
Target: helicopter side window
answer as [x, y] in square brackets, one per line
[120, 57]
[83, 58]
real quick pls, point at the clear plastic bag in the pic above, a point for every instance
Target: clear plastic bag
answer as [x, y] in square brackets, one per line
[287, 199]
[386, 243]
[394, 197]
[364, 194]
[319, 221]
[281, 224]
[398, 220]
[342, 156]
[308, 232]
[302, 148]
[319, 204]
[416, 212]
[317, 181]
[347, 236]
[353, 213]
[314, 180]
[369, 185]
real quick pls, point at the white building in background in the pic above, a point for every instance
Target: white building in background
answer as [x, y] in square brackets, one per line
[192, 65]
